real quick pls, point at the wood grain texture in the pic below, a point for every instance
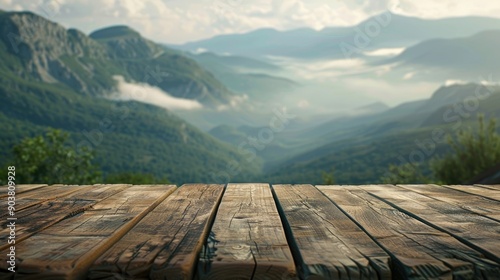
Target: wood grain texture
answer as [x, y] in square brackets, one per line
[477, 204]
[476, 231]
[42, 215]
[247, 239]
[491, 187]
[316, 225]
[167, 242]
[418, 250]
[65, 250]
[257, 232]
[484, 191]
[40, 195]
[22, 189]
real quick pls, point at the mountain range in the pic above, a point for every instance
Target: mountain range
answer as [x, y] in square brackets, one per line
[54, 77]
[44, 51]
[359, 149]
[460, 58]
[386, 30]
[89, 86]
[246, 75]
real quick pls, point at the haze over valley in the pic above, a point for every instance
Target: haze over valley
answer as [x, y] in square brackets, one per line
[284, 105]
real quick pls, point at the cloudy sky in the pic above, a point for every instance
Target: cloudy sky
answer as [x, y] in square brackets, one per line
[178, 21]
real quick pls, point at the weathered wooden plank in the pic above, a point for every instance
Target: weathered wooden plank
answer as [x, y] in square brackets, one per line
[477, 204]
[481, 191]
[476, 231]
[42, 215]
[52, 191]
[418, 250]
[247, 240]
[22, 189]
[66, 249]
[167, 242]
[30, 198]
[491, 187]
[328, 244]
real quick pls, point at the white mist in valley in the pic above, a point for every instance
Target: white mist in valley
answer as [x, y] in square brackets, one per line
[151, 95]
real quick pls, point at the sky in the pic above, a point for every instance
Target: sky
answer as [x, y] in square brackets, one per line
[180, 21]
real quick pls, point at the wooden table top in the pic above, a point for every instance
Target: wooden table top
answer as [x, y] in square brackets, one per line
[252, 231]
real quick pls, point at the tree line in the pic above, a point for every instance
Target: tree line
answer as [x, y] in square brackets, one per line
[473, 151]
[50, 159]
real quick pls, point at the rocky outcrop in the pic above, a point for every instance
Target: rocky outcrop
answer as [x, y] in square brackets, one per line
[45, 51]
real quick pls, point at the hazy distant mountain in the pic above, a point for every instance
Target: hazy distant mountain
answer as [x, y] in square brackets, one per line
[235, 62]
[465, 57]
[395, 31]
[372, 108]
[246, 75]
[360, 149]
[409, 115]
[53, 77]
[454, 94]
[466, 100]
[228, 134]
[283, 143]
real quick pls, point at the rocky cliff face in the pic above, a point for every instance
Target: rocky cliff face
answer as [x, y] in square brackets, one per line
[45, 51]
[41, 46]
[167, 69]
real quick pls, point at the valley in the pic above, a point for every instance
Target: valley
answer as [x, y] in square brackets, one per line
[267, 105]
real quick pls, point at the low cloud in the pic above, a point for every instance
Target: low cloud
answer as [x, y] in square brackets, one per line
[323, 70]
[151, 95]
[200, 51]
[489, 83]
[409, 75]
[385, 52]
[234, 103]
[454, 82]
[303, 103]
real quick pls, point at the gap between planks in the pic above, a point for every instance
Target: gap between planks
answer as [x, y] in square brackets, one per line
[166, 243]
[247, 239]
[416, 249]
[462, 258]
[476, 231]
[86, 236]
[314, 224]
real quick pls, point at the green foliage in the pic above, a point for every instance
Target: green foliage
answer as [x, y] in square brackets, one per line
[404, 174]
[135, 179]
[328, 178]
[473, 153]
[356, 161]
[125, 136]
[130, 136]
[49, 159]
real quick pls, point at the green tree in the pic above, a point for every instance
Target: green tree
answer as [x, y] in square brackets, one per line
[328, 178]
[49, 159]
[135, 179]
[404, 174]
[473, 153]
